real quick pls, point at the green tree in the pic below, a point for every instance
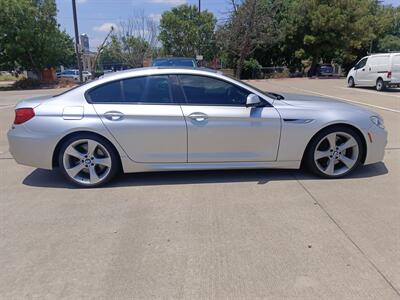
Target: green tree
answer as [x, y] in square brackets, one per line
[335, 29]
[185, 32]
[250, 26]
[125, 50]
[390, 40]
[30, 37]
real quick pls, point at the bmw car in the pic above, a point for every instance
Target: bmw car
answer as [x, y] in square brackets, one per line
[165, 119]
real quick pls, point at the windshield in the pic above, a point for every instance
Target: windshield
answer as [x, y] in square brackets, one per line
[174, 62]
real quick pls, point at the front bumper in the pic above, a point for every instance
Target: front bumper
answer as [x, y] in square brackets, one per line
[31, 148]
[376, 143]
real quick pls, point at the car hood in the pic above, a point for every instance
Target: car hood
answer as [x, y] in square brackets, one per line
[33, 102]
[320, 103]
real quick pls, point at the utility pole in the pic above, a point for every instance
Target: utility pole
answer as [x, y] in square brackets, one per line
[199, 6]
[77, 48]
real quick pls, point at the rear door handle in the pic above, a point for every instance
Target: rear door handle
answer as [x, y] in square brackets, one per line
[114, 115]
[198, 116]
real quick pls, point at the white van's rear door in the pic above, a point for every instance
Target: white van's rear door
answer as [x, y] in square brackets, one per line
[395, 68]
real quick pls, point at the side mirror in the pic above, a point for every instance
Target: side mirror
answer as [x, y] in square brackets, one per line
[253, 100]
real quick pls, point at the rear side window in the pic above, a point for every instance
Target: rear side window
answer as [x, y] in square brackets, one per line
[148, 89]
[106, 93]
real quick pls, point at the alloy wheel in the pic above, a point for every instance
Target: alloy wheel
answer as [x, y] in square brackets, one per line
[336, 154]
[87, 161]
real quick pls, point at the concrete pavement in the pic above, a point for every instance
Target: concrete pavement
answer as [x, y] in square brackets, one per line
[249, 234]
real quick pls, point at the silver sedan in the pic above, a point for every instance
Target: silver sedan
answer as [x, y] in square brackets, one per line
[159, 119]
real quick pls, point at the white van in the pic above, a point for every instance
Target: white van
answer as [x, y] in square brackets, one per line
[378, 70]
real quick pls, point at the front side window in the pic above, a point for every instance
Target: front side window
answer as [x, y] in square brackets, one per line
[361, 63]
[148, 89]
[204, 90]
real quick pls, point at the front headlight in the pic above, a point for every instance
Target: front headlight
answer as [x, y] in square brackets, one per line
[378, 121]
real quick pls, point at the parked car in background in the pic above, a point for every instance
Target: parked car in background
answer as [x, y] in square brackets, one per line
[86, 75]
[325, 70]
[158, 119]
[74, 75]
[320, 70]
[175, 62]
[378, 70]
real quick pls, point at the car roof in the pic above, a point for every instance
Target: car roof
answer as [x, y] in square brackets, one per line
[174, 58]
[157, 70]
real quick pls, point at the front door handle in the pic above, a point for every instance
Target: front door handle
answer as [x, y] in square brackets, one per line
[114, 115]
[198, 116]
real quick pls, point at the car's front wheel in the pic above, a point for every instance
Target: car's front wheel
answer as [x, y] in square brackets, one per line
[350, 82]
[334, 152]
[88, 160]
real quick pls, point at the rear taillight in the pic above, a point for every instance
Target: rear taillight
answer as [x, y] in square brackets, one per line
[23, 114]
[389, 75]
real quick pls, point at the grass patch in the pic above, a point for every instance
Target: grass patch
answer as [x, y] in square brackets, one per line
[7, 78]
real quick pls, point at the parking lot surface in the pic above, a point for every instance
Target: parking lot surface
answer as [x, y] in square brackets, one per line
[245, 234]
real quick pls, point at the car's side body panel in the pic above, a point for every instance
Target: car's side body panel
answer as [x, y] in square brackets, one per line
[155, 137]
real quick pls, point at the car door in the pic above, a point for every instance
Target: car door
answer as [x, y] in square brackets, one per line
[362, 73]
[141, 115]
[220, 126]
[395, 69]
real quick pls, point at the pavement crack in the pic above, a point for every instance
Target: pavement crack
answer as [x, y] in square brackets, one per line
[348, 237]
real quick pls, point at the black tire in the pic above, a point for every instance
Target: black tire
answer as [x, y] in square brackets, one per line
[113, 155]
[350, 82]
[380, 85]
[311, 164]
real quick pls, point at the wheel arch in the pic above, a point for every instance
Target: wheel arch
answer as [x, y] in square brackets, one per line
[357, 130]
[57, 149]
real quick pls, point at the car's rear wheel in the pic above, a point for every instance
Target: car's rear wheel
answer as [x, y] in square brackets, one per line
[380, 85]
[334, 152]
[88, 160]
[350, 82]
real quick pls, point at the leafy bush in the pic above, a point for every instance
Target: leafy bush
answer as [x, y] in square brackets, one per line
[26, 83]
[251, 69]
[7, 78]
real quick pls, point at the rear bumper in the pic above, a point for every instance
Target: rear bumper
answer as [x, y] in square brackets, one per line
[29, 148]
[376, 148]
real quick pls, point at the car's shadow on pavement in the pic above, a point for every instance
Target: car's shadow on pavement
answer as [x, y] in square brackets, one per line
[388, 90]
[54, 179]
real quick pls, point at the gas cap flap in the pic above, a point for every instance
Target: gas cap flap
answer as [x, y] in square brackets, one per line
[73, 113]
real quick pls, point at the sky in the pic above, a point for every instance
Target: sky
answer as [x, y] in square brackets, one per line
[96, 16]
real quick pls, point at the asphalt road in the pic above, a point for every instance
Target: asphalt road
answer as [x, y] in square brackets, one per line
[249, 234]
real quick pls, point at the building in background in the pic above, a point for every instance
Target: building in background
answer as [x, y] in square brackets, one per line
[84, 41]
[88, 57]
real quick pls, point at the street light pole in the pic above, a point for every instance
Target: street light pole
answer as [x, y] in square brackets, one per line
[199, 6]
[77, 50]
